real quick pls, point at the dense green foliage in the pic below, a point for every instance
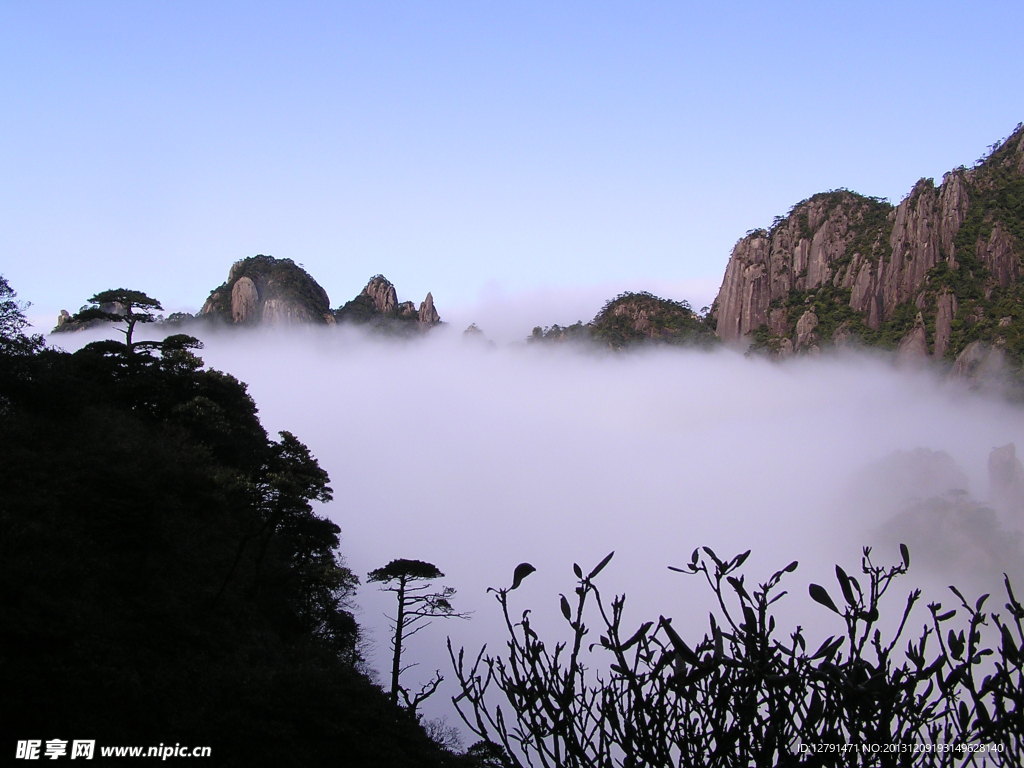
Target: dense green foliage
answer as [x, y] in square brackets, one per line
[839, 322]
[632, 319]
[120, 305]
[163, 573]
[988, 311]
[999, 189]
[575, 333]
[831, 305]
[1000, 317]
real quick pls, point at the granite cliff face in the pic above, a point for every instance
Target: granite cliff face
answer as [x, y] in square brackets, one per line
[930, 276]
[813, 246]
[262, 290]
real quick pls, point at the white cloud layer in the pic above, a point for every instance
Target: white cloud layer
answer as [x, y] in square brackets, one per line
[478, 457]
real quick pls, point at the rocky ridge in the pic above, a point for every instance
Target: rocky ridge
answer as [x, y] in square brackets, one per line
[263, 290]
[938, 275]
[377, 305]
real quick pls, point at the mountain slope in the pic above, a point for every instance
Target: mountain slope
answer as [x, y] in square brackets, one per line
[635, 318]
[938, 272]
[165, 576]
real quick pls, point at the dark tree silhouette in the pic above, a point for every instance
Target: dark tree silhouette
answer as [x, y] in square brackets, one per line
[13, 323]
[418, 602]
[164, 573]
[121, 305]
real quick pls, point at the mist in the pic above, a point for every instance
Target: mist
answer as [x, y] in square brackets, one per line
[476, 457]
[508, 314]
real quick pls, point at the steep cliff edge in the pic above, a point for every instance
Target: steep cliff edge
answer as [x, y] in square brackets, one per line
[932, 276]
[262, 290]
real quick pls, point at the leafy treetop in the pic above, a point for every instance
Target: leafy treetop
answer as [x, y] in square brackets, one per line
[402, 569]
[418, 603]
[134, 307]
[13, 323]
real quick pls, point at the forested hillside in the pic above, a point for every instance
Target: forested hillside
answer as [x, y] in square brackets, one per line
[164, 575]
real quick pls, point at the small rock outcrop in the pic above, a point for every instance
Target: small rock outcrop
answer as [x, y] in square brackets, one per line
[981, 363]
[262, 290]
[805, 336]
[428, 314]
[913, 347]
[67, 323]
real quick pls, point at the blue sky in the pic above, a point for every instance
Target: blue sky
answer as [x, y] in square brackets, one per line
[518, 151]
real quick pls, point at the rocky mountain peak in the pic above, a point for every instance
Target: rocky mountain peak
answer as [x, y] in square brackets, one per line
[262, 290]
[428, 314]
[381, 293]
[377, 305]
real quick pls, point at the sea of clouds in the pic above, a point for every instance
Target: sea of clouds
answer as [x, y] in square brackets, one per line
[476, 457]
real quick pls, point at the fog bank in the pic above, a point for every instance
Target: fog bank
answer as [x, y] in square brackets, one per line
[478, 457]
